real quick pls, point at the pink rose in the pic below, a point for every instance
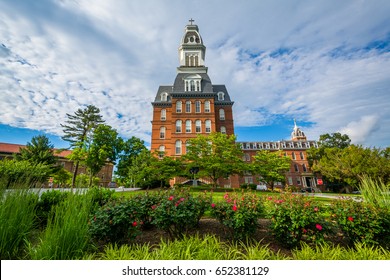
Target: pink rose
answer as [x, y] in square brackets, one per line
[318, 226]
[212, 205]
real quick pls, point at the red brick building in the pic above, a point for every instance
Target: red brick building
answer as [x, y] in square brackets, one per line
[193, 105]
[8, 150]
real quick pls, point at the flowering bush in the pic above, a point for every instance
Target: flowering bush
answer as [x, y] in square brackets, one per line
[115, 222]
[239, 213]
[362, 222]
[145, 204]
[296, 218]
[178, 211]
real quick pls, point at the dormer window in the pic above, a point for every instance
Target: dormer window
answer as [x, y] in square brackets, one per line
[193, 83]
[164, 96]
[221, 96]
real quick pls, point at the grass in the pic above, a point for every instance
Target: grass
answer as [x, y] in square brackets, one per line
[17, 221]
[66, 235]
[375, 193]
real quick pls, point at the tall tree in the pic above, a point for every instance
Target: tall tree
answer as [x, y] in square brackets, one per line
[103, 147]
[216, 155]
[271, 167]
[130, 149]
[78, 129]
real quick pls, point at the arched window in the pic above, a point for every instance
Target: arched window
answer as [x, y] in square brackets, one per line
[296, 168]
[188, 126]
[196, 60]
[164, 96]
[301, 155]
[197, 85]
[187, 145]
[223, 130]
[161, 151]
[178, 147]
[162, 132]
[163, 115]
[198, 126]
[187, 88]
[304, 168]
[247, 157]
[207, 106]
[178, 126]
[188, 106]
[192, 85]
[293, 155]
[208, 126]
[222, 114]
[221, 96]
[178, 106]
[197, 106]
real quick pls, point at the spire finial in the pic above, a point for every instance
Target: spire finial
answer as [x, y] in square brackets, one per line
[191, 21]
[295, 123]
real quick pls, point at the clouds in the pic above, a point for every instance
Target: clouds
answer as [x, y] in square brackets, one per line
[322, 62]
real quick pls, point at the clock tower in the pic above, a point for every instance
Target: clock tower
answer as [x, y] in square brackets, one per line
[192, 105]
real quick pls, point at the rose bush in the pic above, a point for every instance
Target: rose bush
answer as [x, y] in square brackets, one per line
[178, 211]
[238, 213]
[297, 218]
[362, 222]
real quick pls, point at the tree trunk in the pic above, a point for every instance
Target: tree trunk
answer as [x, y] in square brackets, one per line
[76, 169]
[90, 180]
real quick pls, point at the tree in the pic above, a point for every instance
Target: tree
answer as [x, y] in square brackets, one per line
[165, 168]
[78, 128]
[347, 166]
[39, 150]
[270, 167]
[103, 148]
[129, 150]
[217, 156]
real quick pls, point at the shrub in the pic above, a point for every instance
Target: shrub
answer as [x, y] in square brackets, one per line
[17, 216]
[116, 222]
[178, 211]
[246, 186]
[239, 213]
[100, 196]
[145, 204]
[46, 202]
[362, 222]
[296, 218]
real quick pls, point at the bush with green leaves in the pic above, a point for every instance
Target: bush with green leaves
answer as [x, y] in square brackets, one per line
[179, 211]
[297, 218]
[362, 222]
[47, 201]
[115, 222]
[101, 196]
[145, 204]
[239, 213]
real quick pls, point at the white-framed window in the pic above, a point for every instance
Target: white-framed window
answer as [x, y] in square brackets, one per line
[222, 114]
[197, 85]
[221, 96]
[298, 181]
[301, 155]
[162, 132]
[247, 157]
[208, 126]
[197, 106]
[178, 147]
[207, 106]
[304, 167]
[293, 155]
[187, 88]
[178, 106]
[198, 126]
[296, 168]
[178, 126]
[188, 126]
[290, 180]
[163, 115]
[223, 130]
[248, 180]
[164, 96]
[192, 85]
[161, 151]
[188, 106]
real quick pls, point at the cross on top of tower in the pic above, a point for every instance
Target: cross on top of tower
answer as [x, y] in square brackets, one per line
[191, 21]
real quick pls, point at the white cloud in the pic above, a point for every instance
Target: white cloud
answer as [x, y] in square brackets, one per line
[361, 129]
[311, 61]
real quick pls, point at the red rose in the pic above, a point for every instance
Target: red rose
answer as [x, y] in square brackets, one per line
[135, 224]
[212, 205]
[350, 219]
[234, 207]
[315, 209]
[170, 198]
[318, 226]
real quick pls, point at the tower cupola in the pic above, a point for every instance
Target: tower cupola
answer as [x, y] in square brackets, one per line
[297, 134]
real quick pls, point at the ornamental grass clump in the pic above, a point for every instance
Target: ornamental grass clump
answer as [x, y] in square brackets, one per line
[362, 222]
[239, 214]
[296, 218]
[179, 211]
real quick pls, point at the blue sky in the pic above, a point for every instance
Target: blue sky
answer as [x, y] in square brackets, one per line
[324, 63]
